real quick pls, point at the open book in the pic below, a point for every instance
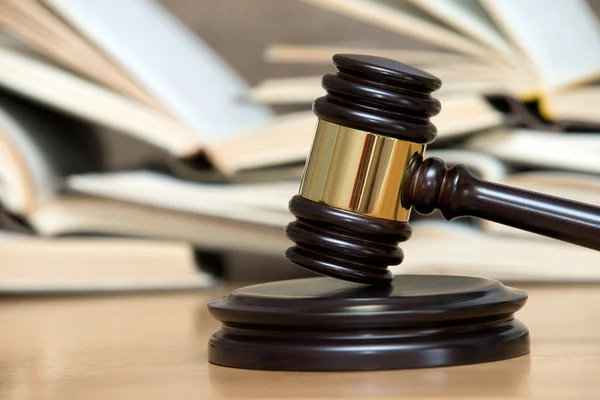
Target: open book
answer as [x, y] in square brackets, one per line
[60, 198]
[50, 180]
[532, 50]
[102, 75]
[435, 246]
[162, 85]
[252, 218]
[165, 85]
[41, 162]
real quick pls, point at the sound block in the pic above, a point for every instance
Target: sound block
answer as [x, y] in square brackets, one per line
[326, 324]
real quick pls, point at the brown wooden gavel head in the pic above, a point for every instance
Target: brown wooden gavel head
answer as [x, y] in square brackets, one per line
[365, 172]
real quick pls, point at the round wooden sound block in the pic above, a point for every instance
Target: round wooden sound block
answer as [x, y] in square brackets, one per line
[325, 324]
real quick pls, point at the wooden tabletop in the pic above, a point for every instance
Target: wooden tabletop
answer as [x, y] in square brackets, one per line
[154, 347]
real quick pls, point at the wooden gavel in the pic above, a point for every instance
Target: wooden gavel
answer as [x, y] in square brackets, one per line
[366, 171]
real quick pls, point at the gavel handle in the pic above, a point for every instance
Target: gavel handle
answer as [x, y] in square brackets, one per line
[457, 193]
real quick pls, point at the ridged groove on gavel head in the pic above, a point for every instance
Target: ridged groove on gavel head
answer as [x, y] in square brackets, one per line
[380, 95]
[344, 245]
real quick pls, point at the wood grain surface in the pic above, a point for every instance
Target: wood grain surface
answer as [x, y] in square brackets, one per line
[154, 347]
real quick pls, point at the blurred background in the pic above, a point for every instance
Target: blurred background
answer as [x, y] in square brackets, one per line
[154, 145]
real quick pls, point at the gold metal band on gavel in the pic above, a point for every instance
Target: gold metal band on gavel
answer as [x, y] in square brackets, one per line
[358, 171]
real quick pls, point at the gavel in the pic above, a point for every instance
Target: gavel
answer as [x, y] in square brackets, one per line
[366, 171]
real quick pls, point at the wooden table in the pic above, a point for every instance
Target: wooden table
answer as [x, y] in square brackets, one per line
[154, 347]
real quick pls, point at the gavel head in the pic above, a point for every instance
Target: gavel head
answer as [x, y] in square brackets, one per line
[352, 208]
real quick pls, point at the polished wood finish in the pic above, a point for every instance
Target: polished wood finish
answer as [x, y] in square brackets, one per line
[357, 248]
[392, 99]
[381, 96]
[155, 347]
[326, 324]
[458, 193]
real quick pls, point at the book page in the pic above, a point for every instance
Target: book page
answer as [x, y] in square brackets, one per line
[464, 114]
[168, 60]
[469, 17]
[260, 203]
[468, 76]
[76, 215]
[579, 104]
[572, 151]
[285, 139]
[293, 90]
[482, 165]
[42, 30]
[322, 54]
[403, 18]
[62, 90]
[306, 89]
[561, 38]
[533, 259]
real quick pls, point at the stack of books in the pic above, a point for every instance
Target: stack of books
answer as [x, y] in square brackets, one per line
[520, 100]
[128, 147]
[121, 128]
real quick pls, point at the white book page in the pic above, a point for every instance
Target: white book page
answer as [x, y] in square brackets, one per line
[464, 114]
[402, 17]
[578, 104]
[573, 151]
[322, 54]
[560, 37]
[264, 203]
[458, 77]
[482, 165]
[79, 214]
[42, 30]
[284, 139]
[62, 90]
[470, 18]
[168, 60]
[538, 259]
